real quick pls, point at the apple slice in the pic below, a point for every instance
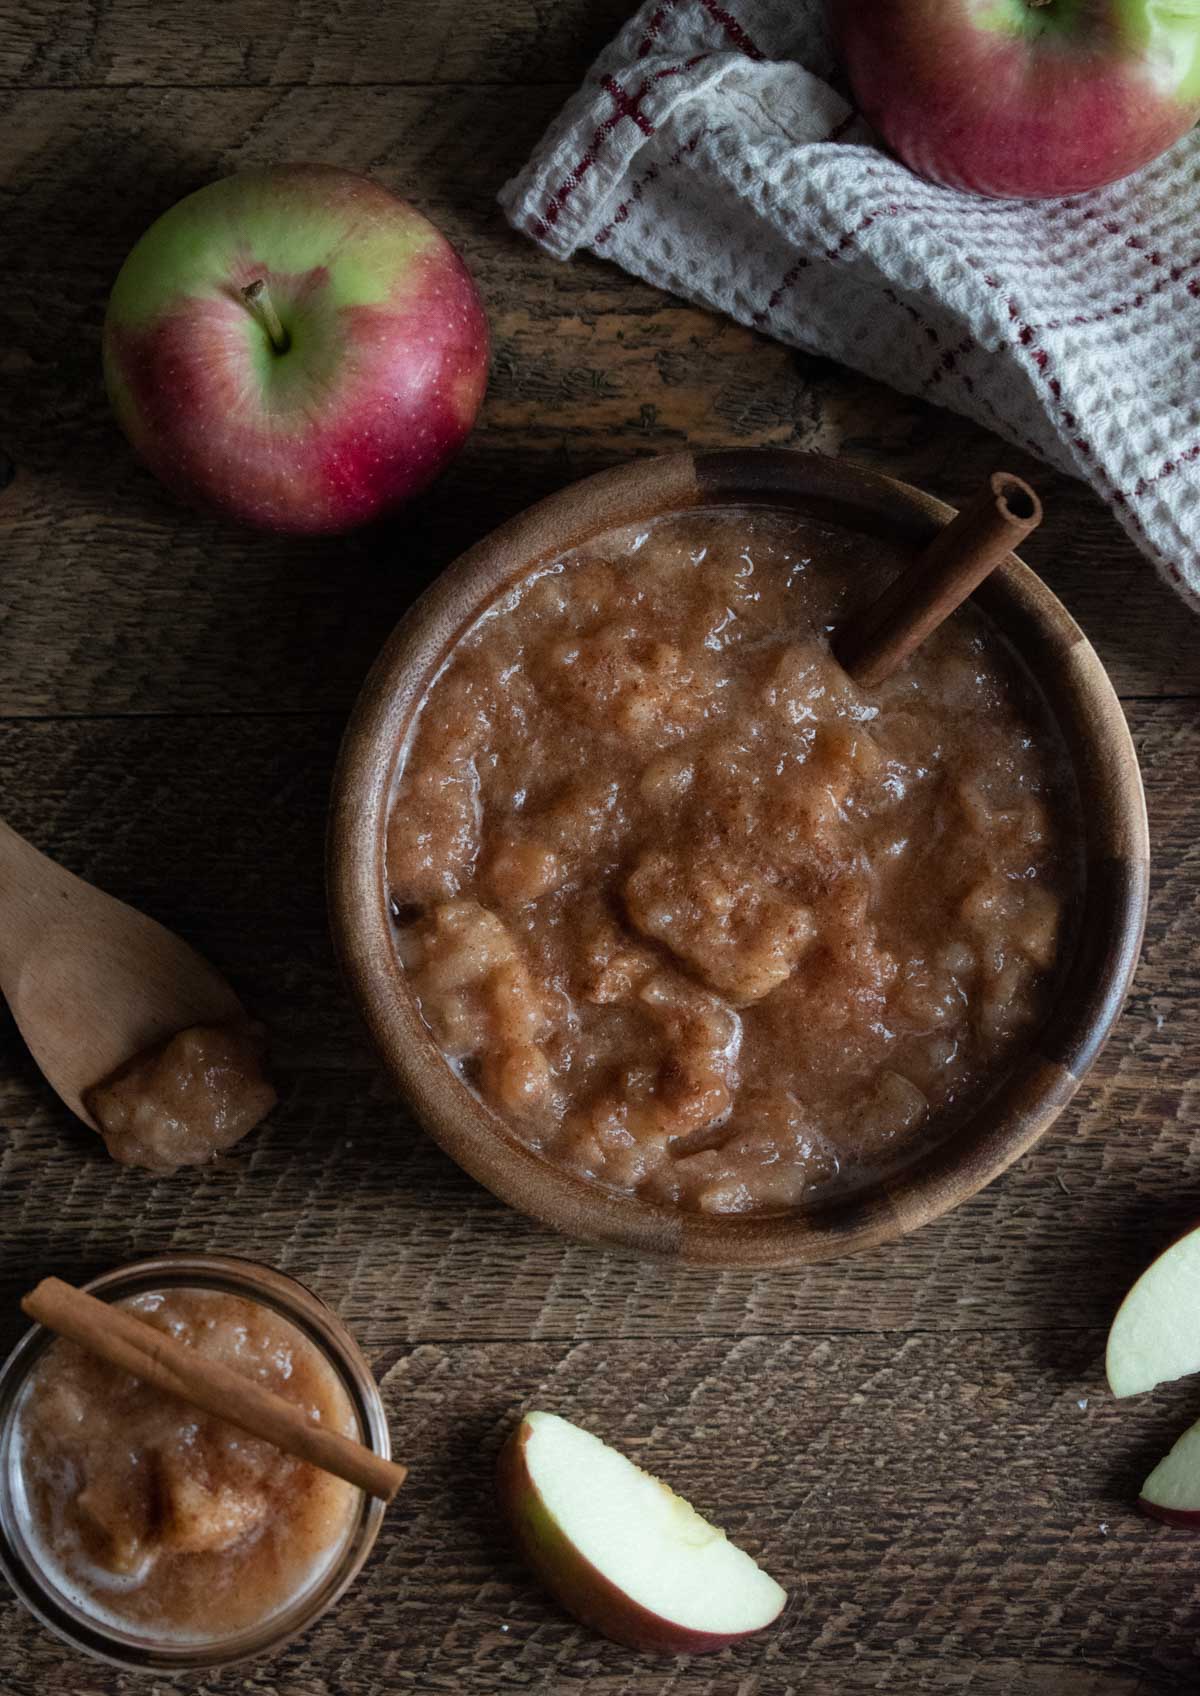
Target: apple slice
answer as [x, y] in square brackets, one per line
[1172, 1491]
[621, 1551]
[1156, 1334]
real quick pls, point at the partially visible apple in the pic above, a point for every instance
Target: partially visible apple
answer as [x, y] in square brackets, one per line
[1172, 1491]
[621, 1551]
[295, 347]
[1156, 1333]
[1026, 98]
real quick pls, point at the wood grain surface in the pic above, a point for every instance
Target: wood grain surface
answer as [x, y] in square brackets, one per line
[917, 1442]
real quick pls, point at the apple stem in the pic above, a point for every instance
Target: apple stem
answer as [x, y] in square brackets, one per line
[259, 301]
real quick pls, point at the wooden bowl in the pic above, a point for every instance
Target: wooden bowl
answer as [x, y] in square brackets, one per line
[1094, 986]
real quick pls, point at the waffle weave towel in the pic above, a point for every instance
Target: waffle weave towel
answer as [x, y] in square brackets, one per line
[709, 153]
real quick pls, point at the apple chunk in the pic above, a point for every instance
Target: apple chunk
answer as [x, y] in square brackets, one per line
[620, 1550]
[1172, 1491]
[1156, 1334]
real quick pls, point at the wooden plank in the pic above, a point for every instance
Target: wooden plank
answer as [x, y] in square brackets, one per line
[133, 42]
[948, 1514]
[590, 369]
[215, 827]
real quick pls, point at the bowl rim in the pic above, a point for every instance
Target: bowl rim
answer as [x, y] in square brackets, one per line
[1090, 998]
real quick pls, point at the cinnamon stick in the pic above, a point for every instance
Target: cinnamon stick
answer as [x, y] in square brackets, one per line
[146, 1353]
[883, 637]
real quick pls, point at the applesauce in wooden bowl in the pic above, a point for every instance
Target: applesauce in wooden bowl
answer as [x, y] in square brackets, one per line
[674, 936]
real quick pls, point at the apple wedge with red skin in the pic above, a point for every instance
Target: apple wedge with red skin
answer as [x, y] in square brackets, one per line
[1155, 1336]
[1172, 1491]
[295, 347]
[622, 1552]
[1023, 98]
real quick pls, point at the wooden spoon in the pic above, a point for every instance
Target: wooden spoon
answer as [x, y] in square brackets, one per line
[883, 637]
[89, 981]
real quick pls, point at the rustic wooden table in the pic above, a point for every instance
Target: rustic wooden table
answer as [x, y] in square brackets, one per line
[919, 1441]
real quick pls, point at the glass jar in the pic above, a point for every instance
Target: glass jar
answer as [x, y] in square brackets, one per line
[38, 1589]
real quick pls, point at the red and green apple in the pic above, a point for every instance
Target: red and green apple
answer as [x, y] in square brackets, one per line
[622, 1552]
[1025, 98]
[295, 347]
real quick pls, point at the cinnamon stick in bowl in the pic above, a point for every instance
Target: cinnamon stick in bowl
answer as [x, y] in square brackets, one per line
[883, 637]
[155, 1358]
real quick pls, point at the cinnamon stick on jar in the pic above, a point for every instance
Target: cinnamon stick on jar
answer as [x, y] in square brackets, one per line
[155, 1358]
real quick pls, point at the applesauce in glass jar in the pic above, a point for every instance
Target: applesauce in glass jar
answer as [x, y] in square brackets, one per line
[702, 921]
[154, 1535]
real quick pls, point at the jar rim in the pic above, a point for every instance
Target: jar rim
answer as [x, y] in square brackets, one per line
[326, 1331]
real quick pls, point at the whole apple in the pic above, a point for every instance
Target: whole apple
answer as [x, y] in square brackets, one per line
[295, 347]
[1023, 98]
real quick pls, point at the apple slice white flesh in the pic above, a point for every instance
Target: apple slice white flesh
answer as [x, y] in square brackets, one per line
[1172, 1491]
[621, 1551]
[1156, 1334]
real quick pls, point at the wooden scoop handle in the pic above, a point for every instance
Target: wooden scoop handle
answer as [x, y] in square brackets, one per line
[883, 637]
[32, 895]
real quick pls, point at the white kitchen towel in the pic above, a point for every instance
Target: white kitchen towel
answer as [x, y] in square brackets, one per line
[709, 153]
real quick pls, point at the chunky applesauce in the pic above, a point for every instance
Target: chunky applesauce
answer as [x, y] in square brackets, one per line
[700, 919]
[185, 1100]
[159, 1519]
